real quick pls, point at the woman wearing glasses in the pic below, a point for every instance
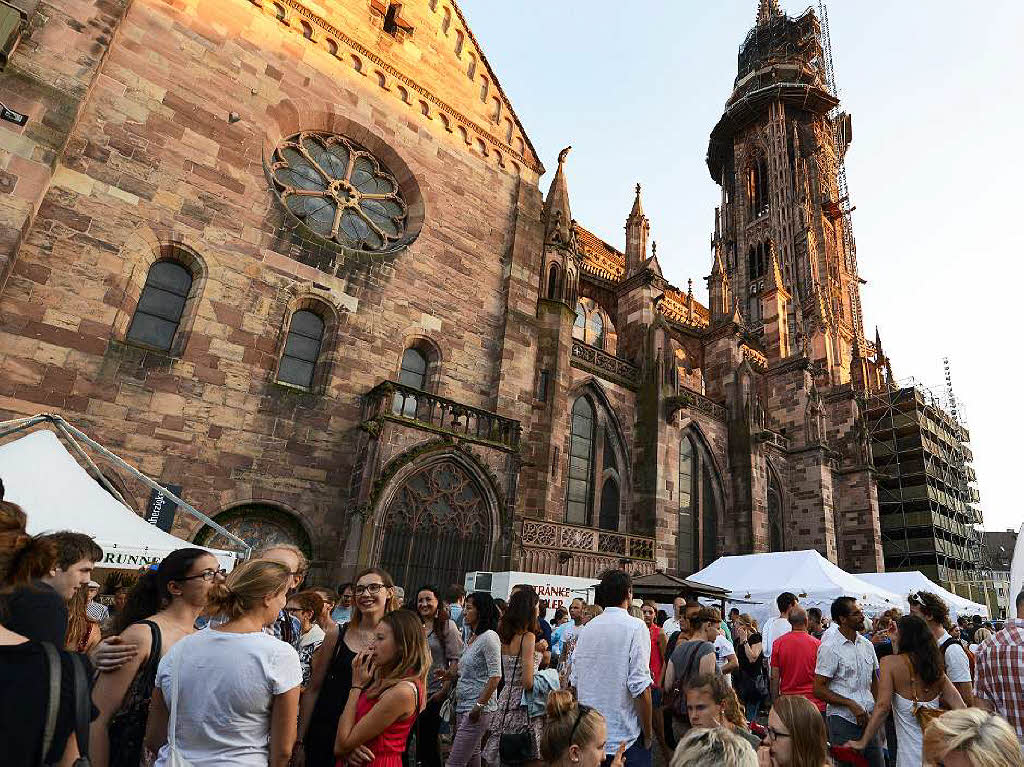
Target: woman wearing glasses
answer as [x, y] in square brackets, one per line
[324, 699]
[796, 734]
[575, 735]
[162, 608]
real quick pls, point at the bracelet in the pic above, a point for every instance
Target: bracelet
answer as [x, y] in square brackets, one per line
[356, 687]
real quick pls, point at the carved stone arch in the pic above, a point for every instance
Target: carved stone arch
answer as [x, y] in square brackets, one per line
[775, 508]
[420, 465]
[261, 522]
[302, 113]
[709, 487]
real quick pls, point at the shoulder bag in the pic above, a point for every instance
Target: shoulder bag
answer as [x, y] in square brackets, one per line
[83, 710]
[174, 757]
[53, 701]
[514, 747]
[127, 728]
[925, 715]
[678, 693]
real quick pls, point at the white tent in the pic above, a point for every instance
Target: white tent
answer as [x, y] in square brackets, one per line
[56, 493]
[817, 582]
[907, 583]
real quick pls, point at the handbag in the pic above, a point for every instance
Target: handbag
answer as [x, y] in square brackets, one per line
[53, 701]
[174, 757]
[925, 715]
[83, 710]
[127, 728]
[514, 747]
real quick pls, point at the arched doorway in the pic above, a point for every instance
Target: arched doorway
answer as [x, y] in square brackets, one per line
[776, 526]
[259, 525]
[436, 528]
[697, 536]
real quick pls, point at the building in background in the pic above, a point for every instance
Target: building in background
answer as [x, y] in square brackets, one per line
[994, 571]
[294, 258]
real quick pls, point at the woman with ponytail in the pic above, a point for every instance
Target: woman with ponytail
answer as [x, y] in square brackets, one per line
[162, 608]
[575, 734]
[24, 668]
[234, 687]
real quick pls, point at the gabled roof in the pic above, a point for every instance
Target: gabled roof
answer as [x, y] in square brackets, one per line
[494, 80]
[602, 260]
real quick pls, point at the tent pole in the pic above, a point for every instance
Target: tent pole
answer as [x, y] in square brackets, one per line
[20, 424]
[85, 457]
[65, 427]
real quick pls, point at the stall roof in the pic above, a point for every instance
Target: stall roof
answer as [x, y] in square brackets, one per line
[56, 493]
[661, 585]
[905, 583]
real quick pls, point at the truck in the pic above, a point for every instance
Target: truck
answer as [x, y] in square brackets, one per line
[556, 590]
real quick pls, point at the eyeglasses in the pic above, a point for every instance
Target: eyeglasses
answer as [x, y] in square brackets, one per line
[774, 734]
[294, 610]
[206, 575]
[373, 589]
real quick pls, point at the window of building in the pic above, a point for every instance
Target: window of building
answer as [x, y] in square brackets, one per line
[757, 188]
[553, 281]
[496, 112]
[471, 69]
[697, 531]
[595, 329]
[581, 319]
[446, 22]
[581, 463]
[543, 382]
[757, 260]
[484, 86]
[301, 349]
[776, 531]
[460, 39]
[413, 373]
[310, 168]
[609, 516]
[161, 304]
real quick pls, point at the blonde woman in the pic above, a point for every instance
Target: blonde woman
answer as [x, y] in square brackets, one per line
[713, 748]
[387, 692]
[234, 688]
[970, 737]
[575, 735]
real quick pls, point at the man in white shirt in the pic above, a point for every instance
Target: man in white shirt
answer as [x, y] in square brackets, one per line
[675, 623]
[845, 678]
[930, 606]
[778, 626]
[611, 671]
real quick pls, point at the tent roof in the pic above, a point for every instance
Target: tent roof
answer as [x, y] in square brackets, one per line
[56, 493]
[659, 584]
[814, 579]
[904, 583]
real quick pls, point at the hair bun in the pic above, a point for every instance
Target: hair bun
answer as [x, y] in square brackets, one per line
[560, 703]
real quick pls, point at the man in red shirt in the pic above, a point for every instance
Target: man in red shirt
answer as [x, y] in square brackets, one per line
[793, 658]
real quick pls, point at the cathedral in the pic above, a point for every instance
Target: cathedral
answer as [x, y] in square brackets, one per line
[293, 257]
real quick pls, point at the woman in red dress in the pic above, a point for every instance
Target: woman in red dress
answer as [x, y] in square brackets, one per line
[658, 644]
[386, 695]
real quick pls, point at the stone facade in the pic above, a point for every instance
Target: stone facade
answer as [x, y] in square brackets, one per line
[574, 410]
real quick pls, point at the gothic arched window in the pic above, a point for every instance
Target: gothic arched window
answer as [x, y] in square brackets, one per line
[609, 516]
[581, 318]
[553, 281]
[596, 329]
[412, 373]
[581, 463]
[161, 304]
[697, 531]
[776, 530]
[757, 188]
[437, 527]
[340, 191]
[301, 349]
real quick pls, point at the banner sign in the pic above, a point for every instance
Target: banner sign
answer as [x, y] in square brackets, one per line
[160, 510]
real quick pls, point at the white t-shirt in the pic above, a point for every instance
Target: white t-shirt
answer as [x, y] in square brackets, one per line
[723, 649]
[226, 685]
[773, 631]
[958, 665]
[671, 627]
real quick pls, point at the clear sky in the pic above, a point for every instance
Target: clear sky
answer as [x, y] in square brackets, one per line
[935, 169]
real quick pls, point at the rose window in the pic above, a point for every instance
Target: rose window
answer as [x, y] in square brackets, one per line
[340, 191]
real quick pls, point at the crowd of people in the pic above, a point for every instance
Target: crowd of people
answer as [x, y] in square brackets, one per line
[193, 666]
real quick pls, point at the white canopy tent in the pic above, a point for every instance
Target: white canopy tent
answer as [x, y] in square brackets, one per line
[909, 582]
[56, 493]
[816, 581]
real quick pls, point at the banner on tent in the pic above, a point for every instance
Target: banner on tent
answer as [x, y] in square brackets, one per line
[160, 510]
[124, 560]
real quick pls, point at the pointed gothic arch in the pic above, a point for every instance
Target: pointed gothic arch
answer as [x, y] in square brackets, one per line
[437, 518]
[775, 510]
[700, 503]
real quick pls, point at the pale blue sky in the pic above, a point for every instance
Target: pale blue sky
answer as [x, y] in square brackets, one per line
[935, 168]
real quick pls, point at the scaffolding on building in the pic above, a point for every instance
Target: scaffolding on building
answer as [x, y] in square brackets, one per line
[926, 495]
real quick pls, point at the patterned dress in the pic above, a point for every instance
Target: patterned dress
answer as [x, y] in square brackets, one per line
[516, 719]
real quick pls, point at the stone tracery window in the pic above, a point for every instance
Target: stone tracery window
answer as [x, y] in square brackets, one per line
[437, 528]
[340, 191]
[697, 527]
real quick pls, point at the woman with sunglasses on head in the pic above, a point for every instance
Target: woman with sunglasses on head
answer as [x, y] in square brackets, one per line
[229, 694]
[445, 642]
[330, 679]
[162, 608]
[479, 672]
[796, 734]
[575, 734]
[386, 694]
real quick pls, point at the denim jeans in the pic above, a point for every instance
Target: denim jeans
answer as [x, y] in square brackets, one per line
[842, 730]
[636, 755]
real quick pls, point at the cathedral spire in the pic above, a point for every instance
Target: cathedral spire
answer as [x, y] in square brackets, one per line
[637, 230]
[557, 215]
[766, 10]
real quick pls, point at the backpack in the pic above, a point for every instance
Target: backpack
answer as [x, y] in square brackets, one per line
[970, 656]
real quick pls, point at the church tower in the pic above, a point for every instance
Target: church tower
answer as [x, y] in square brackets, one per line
[777, 154]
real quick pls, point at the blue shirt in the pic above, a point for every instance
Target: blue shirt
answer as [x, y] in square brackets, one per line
[341, 614]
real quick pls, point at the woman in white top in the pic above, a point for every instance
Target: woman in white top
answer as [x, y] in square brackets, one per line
[236, 687]
[909, 681]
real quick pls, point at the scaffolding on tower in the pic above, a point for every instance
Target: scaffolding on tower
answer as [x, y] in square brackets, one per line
[841, 138]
